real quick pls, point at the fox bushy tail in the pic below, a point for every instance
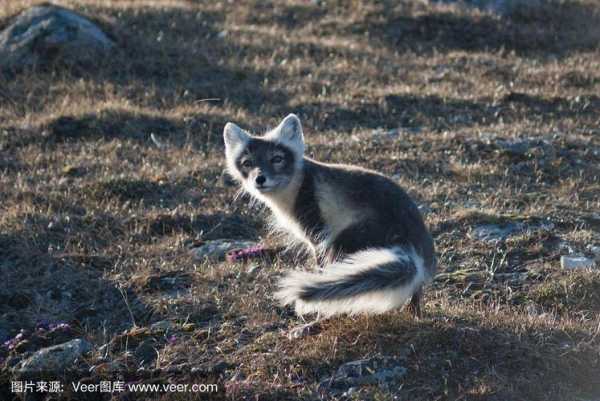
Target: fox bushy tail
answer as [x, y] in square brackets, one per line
[370, 281]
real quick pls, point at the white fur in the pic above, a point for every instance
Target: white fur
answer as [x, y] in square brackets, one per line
[289, 133]
[281, 205]
[374, 302]
[235, 141]
[336, 211]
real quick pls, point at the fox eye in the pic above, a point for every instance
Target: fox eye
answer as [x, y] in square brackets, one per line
[277, 159]
[247, 163]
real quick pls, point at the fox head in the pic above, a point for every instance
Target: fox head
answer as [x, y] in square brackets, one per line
[265, 165]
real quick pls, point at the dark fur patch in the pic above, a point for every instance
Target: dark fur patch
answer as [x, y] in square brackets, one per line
[382, 277]
[391, 217]
[259, 152]
[306, 207]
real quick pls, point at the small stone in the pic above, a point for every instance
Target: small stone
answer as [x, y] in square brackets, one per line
[495, 232]
[58, 358]
[163, 325]
[217, 250]
[576, 262]
[377, 370]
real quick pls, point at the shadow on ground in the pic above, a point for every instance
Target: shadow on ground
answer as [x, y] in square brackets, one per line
[43, 286]
[445, 357]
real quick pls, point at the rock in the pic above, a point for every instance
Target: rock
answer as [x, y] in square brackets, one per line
[58, 358]
[495, 232]
[576, 262]
[162, 326]
[531, 148]
[377, 370]
[217, 249]
[44, 34]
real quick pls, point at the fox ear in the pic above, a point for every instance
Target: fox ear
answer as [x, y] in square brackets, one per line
[234, 136]
[289, 132]
[290, 129]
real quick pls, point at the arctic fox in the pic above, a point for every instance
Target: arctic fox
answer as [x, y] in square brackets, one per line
[364, 230]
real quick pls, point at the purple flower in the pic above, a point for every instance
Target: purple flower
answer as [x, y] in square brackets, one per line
[245, 253]
[172, 339]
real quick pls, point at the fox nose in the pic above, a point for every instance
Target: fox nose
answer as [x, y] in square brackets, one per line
[260, 179]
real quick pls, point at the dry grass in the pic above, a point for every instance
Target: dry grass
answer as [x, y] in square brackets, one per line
[94, 217]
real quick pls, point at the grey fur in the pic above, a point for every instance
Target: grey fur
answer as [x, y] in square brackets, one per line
[341, 211]
[377, 278]
[391, 218]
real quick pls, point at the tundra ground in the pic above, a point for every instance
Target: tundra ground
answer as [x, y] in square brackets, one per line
[486, 120]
